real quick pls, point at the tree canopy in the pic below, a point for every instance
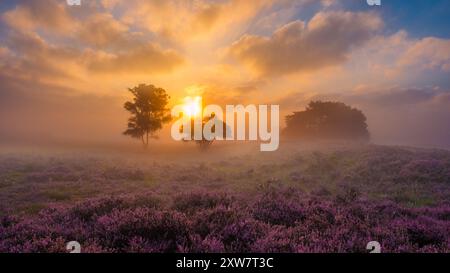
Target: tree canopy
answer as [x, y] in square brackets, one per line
[148, 112]
[205, 143]
[327, 120]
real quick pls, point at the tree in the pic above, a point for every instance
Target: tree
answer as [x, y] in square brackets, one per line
[327, 120]
[148, 112]
[204, 143]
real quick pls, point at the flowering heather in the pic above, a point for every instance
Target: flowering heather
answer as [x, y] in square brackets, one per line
[296, 223]
[318, 201]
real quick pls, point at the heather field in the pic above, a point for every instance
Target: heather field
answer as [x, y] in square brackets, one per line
[298, 199]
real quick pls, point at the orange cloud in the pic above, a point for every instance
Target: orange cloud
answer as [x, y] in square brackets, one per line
[101, 30]
[180, 21]
[147, 58]
[45, 14]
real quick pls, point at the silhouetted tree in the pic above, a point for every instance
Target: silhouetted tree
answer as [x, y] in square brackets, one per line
[205, 143]
[327, 120]
[148, 112]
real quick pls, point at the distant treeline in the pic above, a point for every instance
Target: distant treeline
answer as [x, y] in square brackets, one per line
[327, 120]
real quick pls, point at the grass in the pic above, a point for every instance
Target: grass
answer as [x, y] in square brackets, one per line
[377, 172]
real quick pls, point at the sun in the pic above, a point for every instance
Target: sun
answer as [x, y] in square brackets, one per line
[192, 106]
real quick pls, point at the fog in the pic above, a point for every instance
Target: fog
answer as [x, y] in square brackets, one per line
[95, 121]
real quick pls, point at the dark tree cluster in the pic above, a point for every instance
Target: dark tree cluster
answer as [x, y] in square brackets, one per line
[327, 120]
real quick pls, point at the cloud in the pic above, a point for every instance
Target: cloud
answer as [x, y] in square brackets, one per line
[428, 53]
[180, 21]
[102, 45]
[34, 58]
[147, 58]
[325, 41]
[398, 59]
[44, 14]
[45, 62]
[101, 30]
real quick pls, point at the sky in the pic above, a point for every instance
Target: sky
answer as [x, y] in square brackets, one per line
[65, 70]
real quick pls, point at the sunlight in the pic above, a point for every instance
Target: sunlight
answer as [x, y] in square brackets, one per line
[192, 106]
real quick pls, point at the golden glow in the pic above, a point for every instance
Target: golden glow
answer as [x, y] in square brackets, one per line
[192, 106]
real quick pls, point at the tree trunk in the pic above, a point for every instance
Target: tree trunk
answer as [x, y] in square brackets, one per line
[143, 141]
